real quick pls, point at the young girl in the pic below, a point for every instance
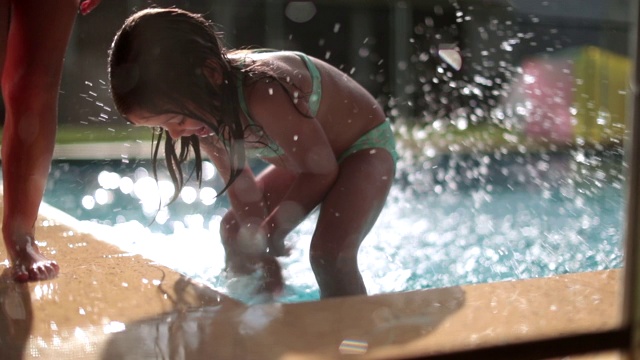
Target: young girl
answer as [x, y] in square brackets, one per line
[33, 39]
[325, 137]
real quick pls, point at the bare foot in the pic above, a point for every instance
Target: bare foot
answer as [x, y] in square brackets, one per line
[30, 265]
[34, 268]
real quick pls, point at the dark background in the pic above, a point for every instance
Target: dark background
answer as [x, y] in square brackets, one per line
[388, 46]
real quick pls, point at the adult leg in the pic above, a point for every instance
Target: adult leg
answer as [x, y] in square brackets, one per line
[37, 41]
[5, 9]
[346, 216]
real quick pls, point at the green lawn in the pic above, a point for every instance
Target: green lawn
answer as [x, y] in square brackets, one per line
[477, 137]
[488, 137]
[77, 134]
[443, 139]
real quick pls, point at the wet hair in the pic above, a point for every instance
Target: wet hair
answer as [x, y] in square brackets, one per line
[161, 61]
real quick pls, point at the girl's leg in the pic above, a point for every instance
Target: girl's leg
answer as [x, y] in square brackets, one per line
[346, 216]
[37, 41]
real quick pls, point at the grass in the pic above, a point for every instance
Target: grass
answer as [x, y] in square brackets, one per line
[482, 137]
[447, 139]
[82, 134]
[488, 137]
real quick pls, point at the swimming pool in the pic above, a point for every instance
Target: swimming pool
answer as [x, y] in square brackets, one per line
[450, 219]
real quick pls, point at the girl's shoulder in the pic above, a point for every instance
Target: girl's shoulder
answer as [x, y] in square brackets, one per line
[272, 57]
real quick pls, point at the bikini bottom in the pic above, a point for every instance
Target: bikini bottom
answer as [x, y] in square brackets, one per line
[379, 137]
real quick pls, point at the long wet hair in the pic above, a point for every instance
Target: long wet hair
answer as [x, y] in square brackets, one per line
[160, 62]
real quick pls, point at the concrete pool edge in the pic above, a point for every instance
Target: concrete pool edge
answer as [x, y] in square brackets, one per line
[105, 301]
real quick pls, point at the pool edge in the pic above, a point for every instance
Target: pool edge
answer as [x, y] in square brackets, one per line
[105, 298]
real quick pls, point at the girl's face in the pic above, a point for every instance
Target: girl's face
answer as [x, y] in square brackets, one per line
[176, 124]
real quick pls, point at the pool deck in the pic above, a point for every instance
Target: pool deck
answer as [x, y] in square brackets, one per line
[108, 304]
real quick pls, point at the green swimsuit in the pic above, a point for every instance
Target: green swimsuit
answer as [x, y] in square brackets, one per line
[379, 137]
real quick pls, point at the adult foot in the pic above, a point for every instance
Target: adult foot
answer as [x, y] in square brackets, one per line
[30, 265]
[34, 267]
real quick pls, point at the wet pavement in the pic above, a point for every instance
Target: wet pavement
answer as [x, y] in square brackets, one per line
[107, 304]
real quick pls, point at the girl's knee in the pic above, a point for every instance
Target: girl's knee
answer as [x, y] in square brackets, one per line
[333, 261]
[337, 274]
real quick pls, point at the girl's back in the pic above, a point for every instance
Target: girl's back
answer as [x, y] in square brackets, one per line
[346, 110]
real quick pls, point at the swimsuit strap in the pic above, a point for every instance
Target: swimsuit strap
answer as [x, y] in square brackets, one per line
[241, 99]
[271, 149]
[316, 85]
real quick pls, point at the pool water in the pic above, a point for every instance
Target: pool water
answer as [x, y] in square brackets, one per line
[450, 219]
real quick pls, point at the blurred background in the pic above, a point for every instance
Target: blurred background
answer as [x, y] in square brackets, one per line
[391, 47]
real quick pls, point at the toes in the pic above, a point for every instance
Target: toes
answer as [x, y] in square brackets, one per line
[40, 271]
[20, 275]
[37, 272]
[47, 270]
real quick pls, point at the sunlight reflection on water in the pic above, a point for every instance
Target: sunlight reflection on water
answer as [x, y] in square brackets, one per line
[456, 220]
[413, 246]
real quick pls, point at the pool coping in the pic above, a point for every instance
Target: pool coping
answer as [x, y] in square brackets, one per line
[106, 302]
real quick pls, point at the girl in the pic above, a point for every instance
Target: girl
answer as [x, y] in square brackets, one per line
[325, 137]
[33, 39]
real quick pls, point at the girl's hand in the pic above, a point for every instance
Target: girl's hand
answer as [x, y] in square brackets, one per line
[251, 240]
[274, 243]
[278, 248]
[245, 251]
[87, 5]
[272, 279]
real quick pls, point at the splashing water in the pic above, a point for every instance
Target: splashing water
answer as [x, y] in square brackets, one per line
[459, 213]
[449, 220]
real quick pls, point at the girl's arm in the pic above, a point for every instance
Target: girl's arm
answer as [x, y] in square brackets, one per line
[306, 192]
[245, 195]
[249, 247]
